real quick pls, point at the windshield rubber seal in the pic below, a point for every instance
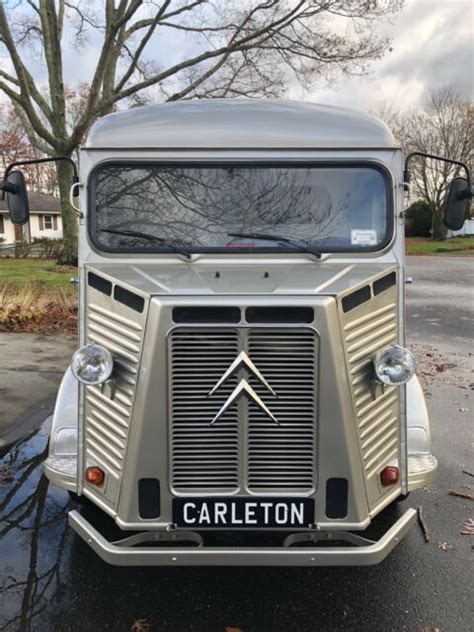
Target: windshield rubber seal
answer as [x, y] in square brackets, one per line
[154, 249]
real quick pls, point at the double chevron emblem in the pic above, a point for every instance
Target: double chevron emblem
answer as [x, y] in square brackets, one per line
[242, 361]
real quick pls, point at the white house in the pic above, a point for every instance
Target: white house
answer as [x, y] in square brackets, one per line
[45, 220]
[466, 230]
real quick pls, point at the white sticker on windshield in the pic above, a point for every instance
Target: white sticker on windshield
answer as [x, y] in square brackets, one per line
[363, 237]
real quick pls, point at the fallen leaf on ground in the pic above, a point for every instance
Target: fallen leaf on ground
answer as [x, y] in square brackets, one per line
[140, 625]
[346, 611]
[444, 546]
[468, 527]
[233, 630]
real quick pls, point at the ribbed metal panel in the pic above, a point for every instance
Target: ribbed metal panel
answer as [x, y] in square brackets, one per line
[203, 457]
[281, 458]
[108, 409]
[244, 451]
[377, 411]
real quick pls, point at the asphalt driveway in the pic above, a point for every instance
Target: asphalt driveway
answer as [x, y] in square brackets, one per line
[51, 581]
[31, 369]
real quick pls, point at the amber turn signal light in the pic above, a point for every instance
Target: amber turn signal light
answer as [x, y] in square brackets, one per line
[95, 476]
[389, 475]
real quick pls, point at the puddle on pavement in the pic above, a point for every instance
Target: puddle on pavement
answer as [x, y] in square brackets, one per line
[34, 535]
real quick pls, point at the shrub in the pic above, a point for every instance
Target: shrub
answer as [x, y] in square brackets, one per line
[22, 248]
[31, 308]
[419, 219]
[48, 248]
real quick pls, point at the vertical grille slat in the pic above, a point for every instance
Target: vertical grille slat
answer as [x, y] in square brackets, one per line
[245, 451]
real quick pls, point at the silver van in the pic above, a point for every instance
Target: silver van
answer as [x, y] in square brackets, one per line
[242, 393]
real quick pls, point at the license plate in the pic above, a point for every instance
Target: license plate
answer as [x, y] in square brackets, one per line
[243, 513]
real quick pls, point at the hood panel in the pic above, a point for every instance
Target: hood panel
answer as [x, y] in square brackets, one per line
[275, 279]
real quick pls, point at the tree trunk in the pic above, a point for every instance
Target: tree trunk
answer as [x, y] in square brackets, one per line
[439, 232]
[68, 253]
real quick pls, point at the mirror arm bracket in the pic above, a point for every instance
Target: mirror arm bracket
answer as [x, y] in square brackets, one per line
[18, 163]
[422, 154]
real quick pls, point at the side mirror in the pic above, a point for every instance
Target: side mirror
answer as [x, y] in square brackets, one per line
[456, 204]
[17, 197]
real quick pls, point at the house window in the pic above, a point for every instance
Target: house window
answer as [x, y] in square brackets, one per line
[2, 225]
[48, 222]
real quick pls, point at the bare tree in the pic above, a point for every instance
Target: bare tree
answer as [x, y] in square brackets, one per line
[245, 47]
[15, 145]
[444, 126]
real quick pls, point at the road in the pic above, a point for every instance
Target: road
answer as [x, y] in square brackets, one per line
[51, 581]
[440, 302]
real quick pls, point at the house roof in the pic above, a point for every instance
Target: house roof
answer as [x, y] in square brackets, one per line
[239, 123]
[40, 204]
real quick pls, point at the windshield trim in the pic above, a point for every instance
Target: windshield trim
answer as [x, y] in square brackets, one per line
[92, 235]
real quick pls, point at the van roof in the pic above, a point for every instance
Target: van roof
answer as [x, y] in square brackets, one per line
[239, 124]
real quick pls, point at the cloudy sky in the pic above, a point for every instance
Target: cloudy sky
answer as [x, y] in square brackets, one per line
[433, 45]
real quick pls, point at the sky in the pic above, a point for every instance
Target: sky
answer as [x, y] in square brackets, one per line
[432, 46]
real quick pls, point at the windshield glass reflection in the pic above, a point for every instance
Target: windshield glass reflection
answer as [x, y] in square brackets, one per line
[336, 208]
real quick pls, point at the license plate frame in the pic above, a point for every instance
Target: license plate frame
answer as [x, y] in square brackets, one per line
[243, 512]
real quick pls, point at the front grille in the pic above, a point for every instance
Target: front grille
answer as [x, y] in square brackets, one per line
[203, 457]
[244, 451]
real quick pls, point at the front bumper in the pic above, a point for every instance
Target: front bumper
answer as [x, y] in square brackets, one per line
[358, 552]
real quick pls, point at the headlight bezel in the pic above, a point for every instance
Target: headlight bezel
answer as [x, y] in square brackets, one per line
[410, 364]
[101, 353]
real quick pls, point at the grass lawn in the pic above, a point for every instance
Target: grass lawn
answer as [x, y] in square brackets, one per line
[45, 273]
[457, 246]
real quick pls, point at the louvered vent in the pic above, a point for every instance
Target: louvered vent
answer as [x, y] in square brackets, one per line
[281, 458]
[108, 410]
[204, 457]
[244, 450]
[377, 411]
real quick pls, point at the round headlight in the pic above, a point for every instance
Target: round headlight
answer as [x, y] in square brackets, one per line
[92, 364]
[395, 366]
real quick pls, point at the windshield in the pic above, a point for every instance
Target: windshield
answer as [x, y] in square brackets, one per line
[154, 208]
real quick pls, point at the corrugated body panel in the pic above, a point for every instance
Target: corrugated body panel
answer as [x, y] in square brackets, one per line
[367, 330]
[108, 408]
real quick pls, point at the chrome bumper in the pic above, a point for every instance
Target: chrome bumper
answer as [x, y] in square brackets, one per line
[365, 552]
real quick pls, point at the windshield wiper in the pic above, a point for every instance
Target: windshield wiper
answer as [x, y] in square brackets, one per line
[299, 244]
[173, 244]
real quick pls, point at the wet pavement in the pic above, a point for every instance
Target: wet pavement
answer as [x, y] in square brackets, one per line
[31, 369]
[51, 581]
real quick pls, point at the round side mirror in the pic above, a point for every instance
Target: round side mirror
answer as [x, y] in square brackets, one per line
[17, 198]
[456, 204]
